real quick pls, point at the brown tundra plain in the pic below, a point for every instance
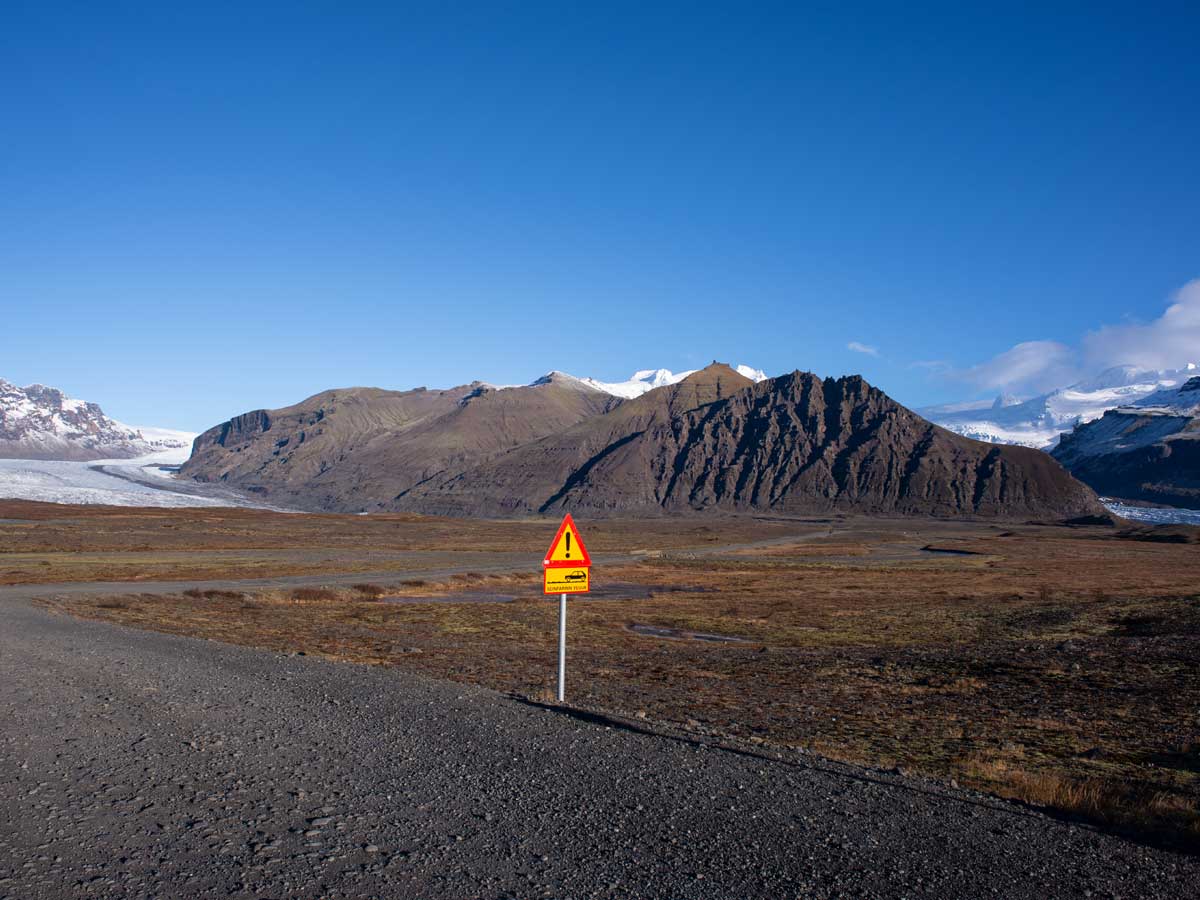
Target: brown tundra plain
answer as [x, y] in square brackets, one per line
[1057, 666]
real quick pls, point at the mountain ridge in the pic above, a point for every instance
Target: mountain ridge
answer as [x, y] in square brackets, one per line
[715, 440]
[381, 443]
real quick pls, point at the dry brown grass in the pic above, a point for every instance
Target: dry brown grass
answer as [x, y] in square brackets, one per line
[314, 595]
[1057, 666]
[1123, 806]
[41, 543]
[213, 594]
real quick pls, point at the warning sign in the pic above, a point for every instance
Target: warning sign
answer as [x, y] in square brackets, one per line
[566, 570]
[567, 581]
[567, 550]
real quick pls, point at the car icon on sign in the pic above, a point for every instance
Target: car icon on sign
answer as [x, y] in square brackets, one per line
[577, 575]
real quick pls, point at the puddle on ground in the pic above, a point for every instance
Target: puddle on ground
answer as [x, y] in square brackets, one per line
[675, 634]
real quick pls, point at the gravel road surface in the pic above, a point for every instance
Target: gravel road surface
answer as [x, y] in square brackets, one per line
[135, 764]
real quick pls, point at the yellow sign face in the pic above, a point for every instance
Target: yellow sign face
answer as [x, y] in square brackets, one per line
[567, 550]
[567, 581]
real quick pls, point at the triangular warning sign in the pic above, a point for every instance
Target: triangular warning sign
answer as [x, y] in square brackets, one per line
[567, 550]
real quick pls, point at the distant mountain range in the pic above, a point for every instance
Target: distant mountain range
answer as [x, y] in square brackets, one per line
[1041, 420]
[725, 438]
[1148, 450]
[715, 439]
[39, 422]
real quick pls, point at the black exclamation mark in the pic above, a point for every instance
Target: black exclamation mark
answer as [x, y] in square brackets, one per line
[568, 545]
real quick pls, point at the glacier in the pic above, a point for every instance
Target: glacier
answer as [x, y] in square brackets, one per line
[147, 480]
[1040, 421]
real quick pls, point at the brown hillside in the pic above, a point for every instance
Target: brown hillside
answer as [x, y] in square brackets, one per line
[799, 444]
[793, 444]
[526, 479]
[360, 448]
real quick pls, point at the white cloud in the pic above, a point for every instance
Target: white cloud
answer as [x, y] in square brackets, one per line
[1029, 366]
[1168, 342]
[862, 348]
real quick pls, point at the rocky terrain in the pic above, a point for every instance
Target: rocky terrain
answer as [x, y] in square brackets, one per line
[1148, 452]
[715, 440]
[39, 422]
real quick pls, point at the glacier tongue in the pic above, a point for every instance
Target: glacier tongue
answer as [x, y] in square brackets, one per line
[145, 481]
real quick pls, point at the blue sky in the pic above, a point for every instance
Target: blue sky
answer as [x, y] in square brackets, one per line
[206, 208]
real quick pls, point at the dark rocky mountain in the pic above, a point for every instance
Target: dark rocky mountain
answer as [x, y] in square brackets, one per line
[715, 441]
[1150, 452]
[793, 444]
[528, 479]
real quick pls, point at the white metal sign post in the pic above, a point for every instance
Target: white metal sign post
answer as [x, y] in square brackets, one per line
[566, 570]
[562, 647]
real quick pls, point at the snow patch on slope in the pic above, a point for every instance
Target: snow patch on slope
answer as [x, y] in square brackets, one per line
[648, 379]
[755, 375]
[638, 383]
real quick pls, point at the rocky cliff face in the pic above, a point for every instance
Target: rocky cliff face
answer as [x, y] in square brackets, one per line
[800, 444]
[39, 422]
[715, 441]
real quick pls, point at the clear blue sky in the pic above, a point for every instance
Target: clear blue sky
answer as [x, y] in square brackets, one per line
[210, 207]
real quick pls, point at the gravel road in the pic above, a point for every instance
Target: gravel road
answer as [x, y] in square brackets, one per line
[135, 764]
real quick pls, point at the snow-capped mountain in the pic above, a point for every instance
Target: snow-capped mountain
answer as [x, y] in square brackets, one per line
[1145, 451]
[1183, 400]
[39, 422]
[649, 379]
[639, 382]
[169, 444]
[1040, 421]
